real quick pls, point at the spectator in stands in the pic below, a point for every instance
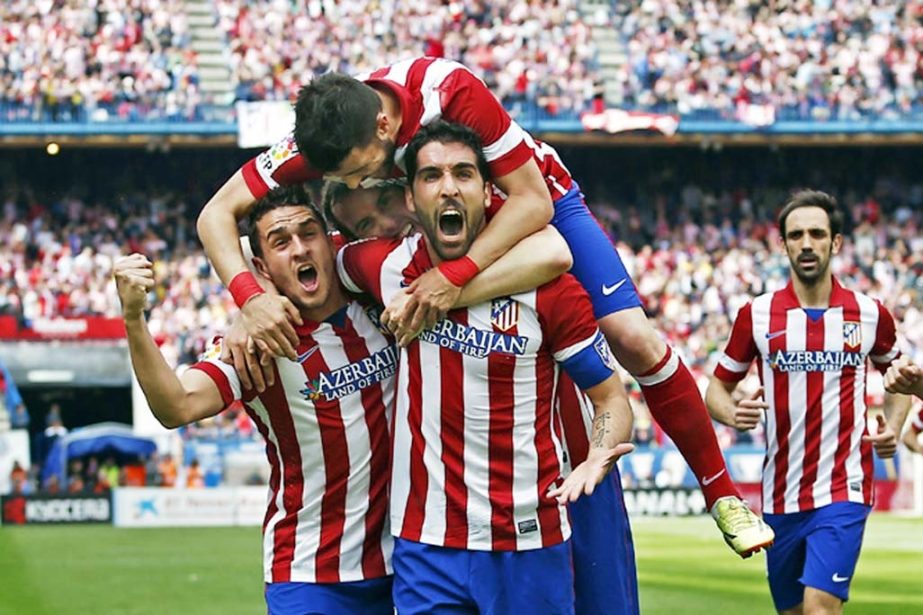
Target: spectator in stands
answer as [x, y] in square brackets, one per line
[19, 479]
[194, 477]
[167, 471]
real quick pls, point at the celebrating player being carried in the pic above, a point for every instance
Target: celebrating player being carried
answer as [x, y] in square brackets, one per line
[477, 465]
[357, 129]
[812, 339]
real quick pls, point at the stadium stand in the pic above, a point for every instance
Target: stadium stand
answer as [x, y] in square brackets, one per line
[134, 59]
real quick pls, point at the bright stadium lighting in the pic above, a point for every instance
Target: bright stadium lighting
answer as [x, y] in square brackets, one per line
[53, 149]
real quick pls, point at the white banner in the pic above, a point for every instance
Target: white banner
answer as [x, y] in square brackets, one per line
[168, 507]
[263, 123]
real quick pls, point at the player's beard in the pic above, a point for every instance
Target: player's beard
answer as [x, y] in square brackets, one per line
[820, 272]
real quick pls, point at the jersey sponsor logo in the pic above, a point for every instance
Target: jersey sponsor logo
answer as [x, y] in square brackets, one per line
[473, 342]
[352, 377]
[852, 334]
[775, 334]
[276, 156]
[814, 360]
[601, 346]
[504, 314]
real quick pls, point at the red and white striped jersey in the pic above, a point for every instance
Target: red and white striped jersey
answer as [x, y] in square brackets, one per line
[813, 369]
[428, 89]
[325, 423]
[476, 447]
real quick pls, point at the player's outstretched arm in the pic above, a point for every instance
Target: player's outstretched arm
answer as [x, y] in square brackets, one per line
[609, 440]
[267, 316]
[173, 401]
[904, 377]
[539, 258]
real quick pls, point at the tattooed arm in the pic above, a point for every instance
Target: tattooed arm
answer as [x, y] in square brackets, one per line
[609, 440]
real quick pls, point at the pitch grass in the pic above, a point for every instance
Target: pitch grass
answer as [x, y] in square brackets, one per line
[683, 567]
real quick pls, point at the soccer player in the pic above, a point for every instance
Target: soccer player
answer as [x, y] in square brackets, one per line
[812, 339]
[326, 541]
[356, 129]
[477, 504]
[605, 573]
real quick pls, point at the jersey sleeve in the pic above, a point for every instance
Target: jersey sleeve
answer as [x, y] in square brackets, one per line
[571, 334]
[741, 349]
[885, 349]
[359, 265]
[222, 374]
[466, 100]
[280, 165]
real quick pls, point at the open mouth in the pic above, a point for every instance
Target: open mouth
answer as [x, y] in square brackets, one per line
[451, 223]
[307, 277]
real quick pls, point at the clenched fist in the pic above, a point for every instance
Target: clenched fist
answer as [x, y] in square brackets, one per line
[134, 278]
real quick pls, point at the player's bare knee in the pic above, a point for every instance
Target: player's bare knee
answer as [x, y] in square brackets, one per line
[819, 602]
[636, 345]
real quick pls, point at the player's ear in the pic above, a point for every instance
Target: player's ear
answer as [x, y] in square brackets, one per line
[382, 126]
[261, 267]
[837, 243]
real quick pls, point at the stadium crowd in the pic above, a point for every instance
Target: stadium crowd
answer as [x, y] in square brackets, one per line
[108, 59]
[125, 59]
[833, 59]
[525, 51]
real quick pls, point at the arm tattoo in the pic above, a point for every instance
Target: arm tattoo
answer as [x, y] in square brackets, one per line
[600, 429]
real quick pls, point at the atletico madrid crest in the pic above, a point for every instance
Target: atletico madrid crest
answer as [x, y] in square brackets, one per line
[852, 334]
[504, 314]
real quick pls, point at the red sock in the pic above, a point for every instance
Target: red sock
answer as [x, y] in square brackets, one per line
[675, 403]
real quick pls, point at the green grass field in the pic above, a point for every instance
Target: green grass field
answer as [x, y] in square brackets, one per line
[682, 564]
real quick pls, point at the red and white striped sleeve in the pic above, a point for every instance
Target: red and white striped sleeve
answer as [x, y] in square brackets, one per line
[280, 165]
[741, 349]
[466, 100]
[571, 334]
[885, 349]
[222, 374]
[359, 265]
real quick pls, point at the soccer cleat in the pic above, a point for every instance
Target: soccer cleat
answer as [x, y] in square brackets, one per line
[743, 530]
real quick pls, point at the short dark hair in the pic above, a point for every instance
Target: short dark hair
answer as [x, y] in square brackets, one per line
[334, 192]
[283, 196]
[333, 114]
[444, 132]
[813, 198]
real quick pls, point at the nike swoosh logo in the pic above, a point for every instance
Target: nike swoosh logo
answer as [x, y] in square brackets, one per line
[838, 579]
[608, 290]
[772, 336]
[710, 479]
[306, 355]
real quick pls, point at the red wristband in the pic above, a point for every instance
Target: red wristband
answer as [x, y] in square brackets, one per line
[244, 287]
[459, 271]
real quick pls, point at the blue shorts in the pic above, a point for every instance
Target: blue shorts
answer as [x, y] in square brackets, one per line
[597, 265]
[816, 548]
[605, 577]
[372, 596]
[430, 579]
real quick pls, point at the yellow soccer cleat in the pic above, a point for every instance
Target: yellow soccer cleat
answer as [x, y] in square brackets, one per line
[743, 530]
